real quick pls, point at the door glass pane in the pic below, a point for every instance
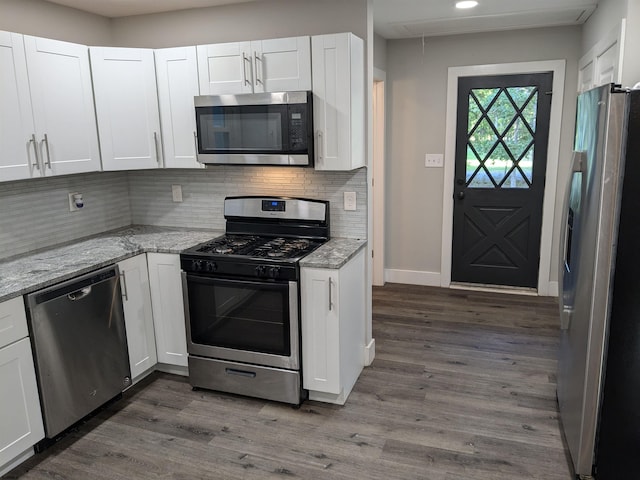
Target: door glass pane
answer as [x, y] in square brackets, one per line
[501, 128]
[242, 315]
[501, 113]
[520, 94]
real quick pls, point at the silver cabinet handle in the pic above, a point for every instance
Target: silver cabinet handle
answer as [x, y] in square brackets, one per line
[155, 144]
[257, 59]
[123, 282]
[35, 150]
[320, 145]
[195, 141]
[245, 78]
[46, 146]
[330, 300]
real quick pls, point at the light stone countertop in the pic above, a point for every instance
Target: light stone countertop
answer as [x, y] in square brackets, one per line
[333, 254]
[30, 272]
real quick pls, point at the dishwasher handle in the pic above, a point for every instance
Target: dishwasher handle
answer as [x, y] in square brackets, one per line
[79, 294]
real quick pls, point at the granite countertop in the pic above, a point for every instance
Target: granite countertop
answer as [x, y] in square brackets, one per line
[31, 272]
[333, 254]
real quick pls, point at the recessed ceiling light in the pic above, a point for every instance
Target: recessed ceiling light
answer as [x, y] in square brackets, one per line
[466, 4]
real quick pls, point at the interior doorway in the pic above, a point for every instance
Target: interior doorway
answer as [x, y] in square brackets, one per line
[377, 175]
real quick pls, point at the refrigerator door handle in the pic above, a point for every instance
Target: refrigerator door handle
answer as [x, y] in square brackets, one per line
[578, 161]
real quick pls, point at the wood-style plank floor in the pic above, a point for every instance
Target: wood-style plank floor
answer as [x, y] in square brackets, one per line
[462, 387]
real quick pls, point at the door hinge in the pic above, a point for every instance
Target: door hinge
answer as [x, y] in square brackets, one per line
[373, 182]
[371, 253]
[548, 93]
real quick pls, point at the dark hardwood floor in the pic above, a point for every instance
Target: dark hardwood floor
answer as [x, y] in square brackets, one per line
[462, 387]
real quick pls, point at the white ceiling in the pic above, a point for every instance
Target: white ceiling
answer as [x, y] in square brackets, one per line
[397, 18]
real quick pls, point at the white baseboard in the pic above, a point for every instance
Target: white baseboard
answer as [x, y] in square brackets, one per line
[553, 289]
[173, 369]
[369, 352]
[412, 277]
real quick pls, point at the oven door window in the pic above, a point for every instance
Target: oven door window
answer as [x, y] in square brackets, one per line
[243, 129]
[242, 315]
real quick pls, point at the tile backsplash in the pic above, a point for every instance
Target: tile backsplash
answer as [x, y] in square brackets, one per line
[35, 213]
[203, 193]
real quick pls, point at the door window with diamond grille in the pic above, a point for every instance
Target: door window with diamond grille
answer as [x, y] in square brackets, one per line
[501, 148]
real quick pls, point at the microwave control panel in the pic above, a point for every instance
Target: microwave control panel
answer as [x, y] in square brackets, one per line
[298, 127]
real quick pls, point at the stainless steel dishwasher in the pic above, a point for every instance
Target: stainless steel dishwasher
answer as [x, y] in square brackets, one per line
[79, 346]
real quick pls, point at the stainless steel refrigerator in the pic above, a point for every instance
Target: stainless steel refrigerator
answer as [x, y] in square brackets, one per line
[599, 357]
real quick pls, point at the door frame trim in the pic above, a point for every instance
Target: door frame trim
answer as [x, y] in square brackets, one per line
[548, 204]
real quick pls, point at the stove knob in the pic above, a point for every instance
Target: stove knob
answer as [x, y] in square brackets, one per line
[261, 271]
[274, 272]
[211, 267]
[196, 265]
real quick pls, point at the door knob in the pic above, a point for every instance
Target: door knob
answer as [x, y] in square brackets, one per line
[460, 181]
[460, 195]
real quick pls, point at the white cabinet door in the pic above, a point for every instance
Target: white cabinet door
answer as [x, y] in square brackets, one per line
[338, 101]
[225, 68]
[13, 321]
[168, 308]
[333, 318]
[320, 330]
[276, 65]
[138, 316]
[177, 77]
[62, 99]
[126, 96]
[17, 133]
[281, 64]
[20, 415]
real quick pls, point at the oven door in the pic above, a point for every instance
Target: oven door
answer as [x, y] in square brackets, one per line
[242, 320]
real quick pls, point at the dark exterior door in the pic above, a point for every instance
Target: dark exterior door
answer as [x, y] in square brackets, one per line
[501, 156]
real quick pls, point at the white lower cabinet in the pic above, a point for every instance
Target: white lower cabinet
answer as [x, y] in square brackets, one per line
[168, 309]
[138, 315]
[20, 418]
[333, 320]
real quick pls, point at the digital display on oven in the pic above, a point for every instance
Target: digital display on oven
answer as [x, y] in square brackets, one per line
[273, 205]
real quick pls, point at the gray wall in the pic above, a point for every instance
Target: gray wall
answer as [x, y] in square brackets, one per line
[380, 52]
[244, 21]
[44, 19]
[416, 87]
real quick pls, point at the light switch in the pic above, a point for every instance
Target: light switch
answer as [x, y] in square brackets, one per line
[433, 160]
[176, 192]
[349, 200]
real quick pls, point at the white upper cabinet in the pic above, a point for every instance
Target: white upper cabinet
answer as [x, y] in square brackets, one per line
[17, 133]
[177, 78]
[47, 108]
[281, 64]
[124, 80]
[602, 63]
[338, 101]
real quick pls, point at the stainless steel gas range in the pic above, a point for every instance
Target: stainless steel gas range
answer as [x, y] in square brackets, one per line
[242, 297]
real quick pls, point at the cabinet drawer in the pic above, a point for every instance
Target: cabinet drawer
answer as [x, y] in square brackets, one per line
[13, 321]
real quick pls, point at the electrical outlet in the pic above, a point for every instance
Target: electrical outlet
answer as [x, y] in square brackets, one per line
[176, 193]
[433, 160]
[349, 200]
[76, 201]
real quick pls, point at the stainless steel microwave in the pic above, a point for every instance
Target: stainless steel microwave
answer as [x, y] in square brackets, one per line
[255, 129]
